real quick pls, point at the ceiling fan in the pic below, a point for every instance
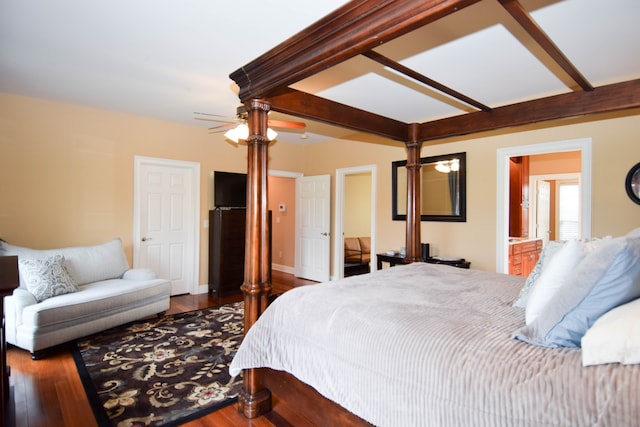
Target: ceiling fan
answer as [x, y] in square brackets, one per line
[236, 128]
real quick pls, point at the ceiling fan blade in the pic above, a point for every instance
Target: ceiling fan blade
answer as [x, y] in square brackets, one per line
[209, 114]
[221, 127]
[226, 120]
[286, 124]
[210, 117]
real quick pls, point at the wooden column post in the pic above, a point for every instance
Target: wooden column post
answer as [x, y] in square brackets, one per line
[413, 247]
[255, 400]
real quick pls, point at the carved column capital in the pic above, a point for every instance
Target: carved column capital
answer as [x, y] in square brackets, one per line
[257, 121]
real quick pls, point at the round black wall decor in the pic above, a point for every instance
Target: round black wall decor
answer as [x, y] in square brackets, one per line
[632, 183]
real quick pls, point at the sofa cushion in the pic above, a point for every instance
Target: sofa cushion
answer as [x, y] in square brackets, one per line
[365, 246]
[86, 264]
[91, 302]
[46, 277]
[352, 251]
[139, 274]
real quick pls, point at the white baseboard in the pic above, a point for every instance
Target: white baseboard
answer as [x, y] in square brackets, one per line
[201, 289]
[283, 268]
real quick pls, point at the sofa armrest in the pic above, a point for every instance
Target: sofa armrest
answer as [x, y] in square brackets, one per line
[13, 306]
[139, 274]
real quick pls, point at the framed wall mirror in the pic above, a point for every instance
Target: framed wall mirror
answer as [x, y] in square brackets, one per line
[443, 195]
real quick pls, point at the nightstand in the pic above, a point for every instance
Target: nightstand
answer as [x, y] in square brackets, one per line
[399, 259]
[391, 259]
[460, 262]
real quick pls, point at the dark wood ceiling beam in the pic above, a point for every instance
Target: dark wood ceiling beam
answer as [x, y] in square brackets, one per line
[613, 97]
[354, 28]
[312, 107]
[388, 62]
[525, 20]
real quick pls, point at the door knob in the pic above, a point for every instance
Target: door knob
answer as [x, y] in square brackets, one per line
[144, 239]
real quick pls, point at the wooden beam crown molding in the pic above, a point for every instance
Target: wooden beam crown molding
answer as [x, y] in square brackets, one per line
[353, 29]
[305, 105]
[613, 97]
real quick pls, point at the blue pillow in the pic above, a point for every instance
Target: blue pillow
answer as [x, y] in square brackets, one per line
[605, 278]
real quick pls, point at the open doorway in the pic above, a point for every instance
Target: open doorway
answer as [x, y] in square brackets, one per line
[355, 217]
[555, 207]
[282, 204]
[584, 146]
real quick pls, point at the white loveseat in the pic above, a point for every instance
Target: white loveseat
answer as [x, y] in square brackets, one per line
[73, 292]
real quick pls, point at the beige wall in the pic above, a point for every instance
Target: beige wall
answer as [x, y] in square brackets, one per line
[66, 171]
[66, 175]
[357, 205]
[615, 151]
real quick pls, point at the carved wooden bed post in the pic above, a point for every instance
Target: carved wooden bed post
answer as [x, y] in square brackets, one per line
[413, 247]
[254, 399]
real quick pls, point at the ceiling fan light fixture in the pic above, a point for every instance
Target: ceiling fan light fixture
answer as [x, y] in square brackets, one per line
[242, 132]
[232, 134]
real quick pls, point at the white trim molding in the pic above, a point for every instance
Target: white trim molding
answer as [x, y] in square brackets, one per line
[584, 145]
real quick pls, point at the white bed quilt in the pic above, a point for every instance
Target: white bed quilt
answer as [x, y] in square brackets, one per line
[430, 345]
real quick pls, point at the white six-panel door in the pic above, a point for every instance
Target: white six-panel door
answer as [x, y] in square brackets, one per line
[167, 218]
[313, 225]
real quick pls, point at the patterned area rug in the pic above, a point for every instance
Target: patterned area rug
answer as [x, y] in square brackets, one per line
[164, 371]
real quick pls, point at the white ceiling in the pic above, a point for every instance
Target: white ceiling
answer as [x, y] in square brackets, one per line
[168, 59]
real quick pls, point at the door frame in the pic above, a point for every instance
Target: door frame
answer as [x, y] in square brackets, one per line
[338, 232]
[194, 211]
[584, 145]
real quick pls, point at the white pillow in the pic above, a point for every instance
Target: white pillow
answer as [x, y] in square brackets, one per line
[614, 337]
[606, 278]
[46, 277]
[552, 278]
[550, 249]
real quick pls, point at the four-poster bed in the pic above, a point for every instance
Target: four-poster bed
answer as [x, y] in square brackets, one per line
[358, 28]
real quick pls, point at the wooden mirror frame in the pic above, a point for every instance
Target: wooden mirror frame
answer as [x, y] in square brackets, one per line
[632, 183]
[401, 187]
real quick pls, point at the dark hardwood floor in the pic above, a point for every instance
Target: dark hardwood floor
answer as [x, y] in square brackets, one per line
[48, 392]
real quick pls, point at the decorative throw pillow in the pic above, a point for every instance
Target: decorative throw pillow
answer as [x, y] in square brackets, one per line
[606, 278]
[550, 249]
[46, 277]
[614, 337]
[552, 278]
